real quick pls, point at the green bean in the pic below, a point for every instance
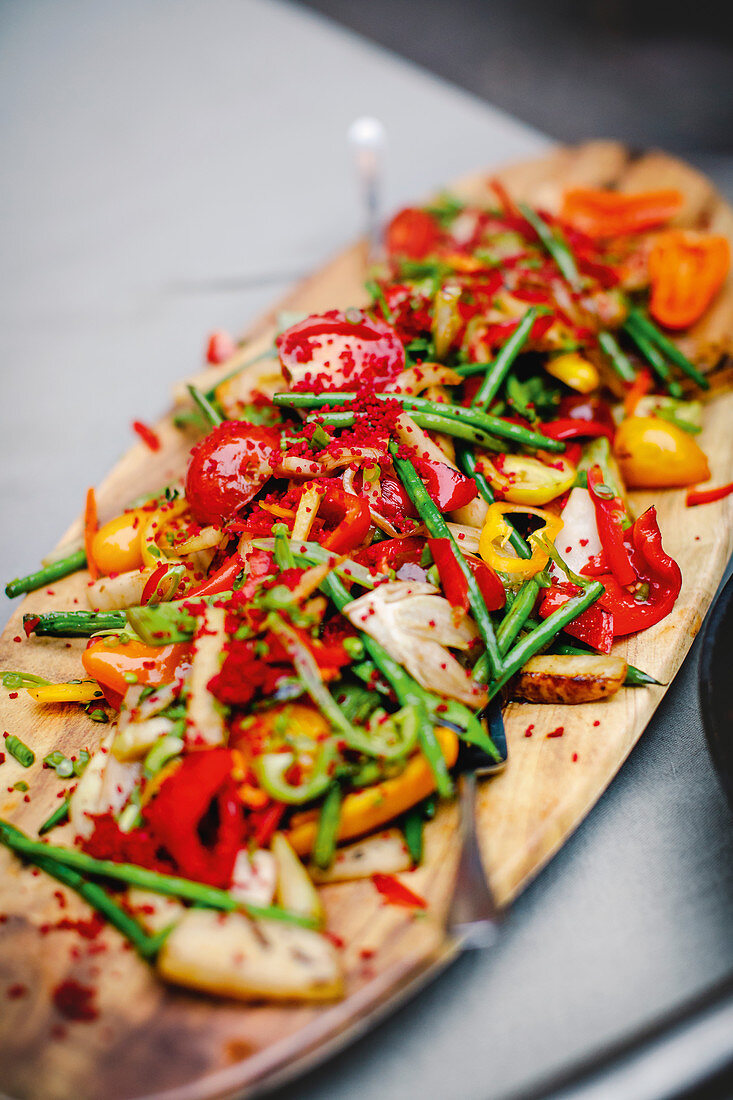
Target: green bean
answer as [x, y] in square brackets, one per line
[501, 366]
[50, 573]
[40, 853]
[324, 845]
[438, 528]
[652, 355]
[413, 824]
[20, 751]
[213, 416]
[557, 248]
[645, 325]
[73, 624]
[512, 623]
[170, 885]
[59, 815]
[619, 360]
[517, 657]
[493, 425]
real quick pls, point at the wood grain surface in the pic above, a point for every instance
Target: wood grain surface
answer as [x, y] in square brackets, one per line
[151, 1041]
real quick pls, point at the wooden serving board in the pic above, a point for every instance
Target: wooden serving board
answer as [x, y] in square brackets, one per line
[151, 1041]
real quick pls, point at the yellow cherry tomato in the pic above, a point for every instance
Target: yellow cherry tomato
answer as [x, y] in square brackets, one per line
[116, 546]
[575, 371]
[368, 809]
[656, 454]
[524, 480]
[497, 532]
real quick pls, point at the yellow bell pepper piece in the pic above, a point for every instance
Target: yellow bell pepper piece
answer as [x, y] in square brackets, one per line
[369, 809]
[88, 691]
[575, 371]
[525, 480]
[496, 530]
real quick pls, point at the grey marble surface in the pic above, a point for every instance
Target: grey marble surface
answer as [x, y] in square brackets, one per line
[171, 168]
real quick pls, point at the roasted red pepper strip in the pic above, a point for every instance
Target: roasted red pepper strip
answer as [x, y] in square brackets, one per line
[180, 813]
[574, 429]
[220, 581]
[610, 515]
[595, 626]
[448, 488]
[707, 496]
[151, 585]
[391, 554]
[396, 894]
[454, 583]
[660, 573]
[350, 517]
[266, 822]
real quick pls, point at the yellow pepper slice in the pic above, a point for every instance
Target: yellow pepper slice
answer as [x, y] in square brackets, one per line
[88, 691]
[575, 371]
[524, 480]
[496, 530]
[152, 555]
[368, 809]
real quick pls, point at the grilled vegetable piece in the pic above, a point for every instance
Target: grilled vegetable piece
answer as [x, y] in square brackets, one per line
[295, 890]
[204, 718]
[554, 678]
[230, 955]
[385, 854]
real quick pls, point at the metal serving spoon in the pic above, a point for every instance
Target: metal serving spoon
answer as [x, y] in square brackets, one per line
[367, 138]
[473, 917]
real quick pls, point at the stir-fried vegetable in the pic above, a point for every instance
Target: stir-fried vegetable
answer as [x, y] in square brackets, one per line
[293, 640]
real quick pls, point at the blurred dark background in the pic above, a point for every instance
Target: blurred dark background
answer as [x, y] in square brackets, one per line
[643, 71]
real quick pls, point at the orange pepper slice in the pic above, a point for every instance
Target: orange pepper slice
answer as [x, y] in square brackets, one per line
[115, 666]
[90, 529]
[601, 214]
[686, 270]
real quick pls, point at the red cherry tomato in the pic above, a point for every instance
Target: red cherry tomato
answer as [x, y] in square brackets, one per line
[336, 350]
[412, 233]
[228, 468]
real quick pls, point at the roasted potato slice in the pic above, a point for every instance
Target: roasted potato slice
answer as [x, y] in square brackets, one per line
[385, 854]
[553, 678]
[228, 954]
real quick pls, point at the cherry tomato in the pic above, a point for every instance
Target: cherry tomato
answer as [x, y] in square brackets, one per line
[228, 468]
[413, 233]
[340, 349]
[116, 546]
[655, 454]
